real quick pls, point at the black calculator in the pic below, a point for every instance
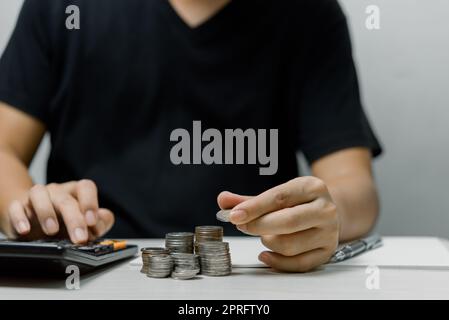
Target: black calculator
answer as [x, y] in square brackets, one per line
[52, 257]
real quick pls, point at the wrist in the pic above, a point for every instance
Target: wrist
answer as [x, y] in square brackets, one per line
[353, 227]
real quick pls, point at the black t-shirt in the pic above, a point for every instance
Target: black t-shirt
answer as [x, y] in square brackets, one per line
[112, 92]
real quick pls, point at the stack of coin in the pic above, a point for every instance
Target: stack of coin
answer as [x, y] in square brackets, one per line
[148, 252]
[179, 242]
[186, 265]
[160, 266]
[215, 258]
[207, 233]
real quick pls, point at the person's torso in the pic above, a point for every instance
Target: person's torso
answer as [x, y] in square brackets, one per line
[133, 73]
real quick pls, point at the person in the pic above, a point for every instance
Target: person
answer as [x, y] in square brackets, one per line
[111, 92]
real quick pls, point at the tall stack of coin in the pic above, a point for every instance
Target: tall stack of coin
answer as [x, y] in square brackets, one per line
[148, 252]
[160, 266]
[186, 265]
[207, 233]
[179, 242]
[215, 258]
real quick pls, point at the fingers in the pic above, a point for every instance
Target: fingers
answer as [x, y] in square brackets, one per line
[70, 211]
[18, 218]
[227, 200]
[39, 199]
[74, 203]
[291, 193]
[290, 245]
[291, 220]
[300, 263]
[87, 195]
[298, 220]
[105, 222]
[301, 251]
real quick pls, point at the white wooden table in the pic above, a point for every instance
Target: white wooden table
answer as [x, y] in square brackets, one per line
[124, 281]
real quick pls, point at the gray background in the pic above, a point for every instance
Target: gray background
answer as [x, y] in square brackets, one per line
[404, 74]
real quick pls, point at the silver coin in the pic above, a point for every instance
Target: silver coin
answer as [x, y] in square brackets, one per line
[159, 266]
[177, 259]
[186, 265]
[149, 252]
[207, 234]
[154, 250]
[223, 215]
[183, 276]
[215, 258]
[179, 242]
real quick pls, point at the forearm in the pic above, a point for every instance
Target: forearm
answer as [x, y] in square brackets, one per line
[357, 204]
[14, 183]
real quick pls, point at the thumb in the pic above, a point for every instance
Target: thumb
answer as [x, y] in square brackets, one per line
[228, 200]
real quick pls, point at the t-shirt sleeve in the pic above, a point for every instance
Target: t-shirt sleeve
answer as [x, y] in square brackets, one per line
[25, 68]
[331, 116]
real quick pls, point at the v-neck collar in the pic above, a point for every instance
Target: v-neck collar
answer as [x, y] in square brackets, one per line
[218, 21]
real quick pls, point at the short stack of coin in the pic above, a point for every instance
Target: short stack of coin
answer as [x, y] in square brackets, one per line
[179, 242]
[160, 266]
[215, 258]
[177, 259]
[207, 233]
[186, 265]
[151, 251]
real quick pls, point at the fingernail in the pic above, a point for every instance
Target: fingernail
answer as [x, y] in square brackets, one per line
[90, 218]
[238, 215]
[23, 226]
[80, 235]
[50, 226]
[242, 227]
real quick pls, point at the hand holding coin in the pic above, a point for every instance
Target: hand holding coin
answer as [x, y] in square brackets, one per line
[297, 220]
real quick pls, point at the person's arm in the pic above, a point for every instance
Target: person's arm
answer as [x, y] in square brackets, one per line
[348, 176]
[20, 136]
[302, 220]
[35, 211]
